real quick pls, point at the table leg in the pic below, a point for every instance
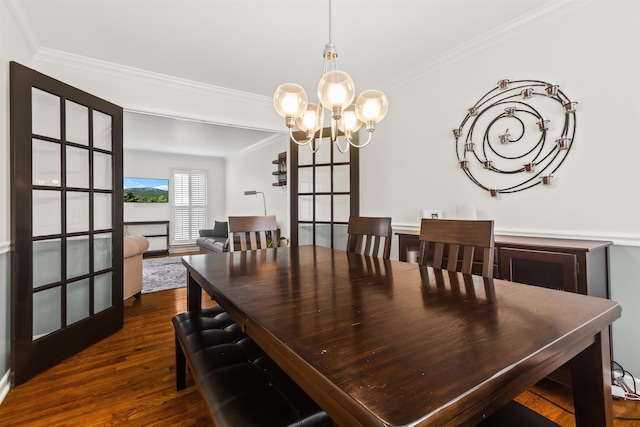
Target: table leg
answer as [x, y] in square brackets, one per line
[194, 294]
[591, 383]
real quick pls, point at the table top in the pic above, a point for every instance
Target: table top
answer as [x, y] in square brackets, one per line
[390, 343]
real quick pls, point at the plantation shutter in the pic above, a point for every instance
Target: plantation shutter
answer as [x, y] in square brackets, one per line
[189, 204]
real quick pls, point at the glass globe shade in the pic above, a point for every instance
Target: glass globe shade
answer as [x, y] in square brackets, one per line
[308, 120]
[349, 122]
[290, 100]
[371, 106]
[336, 90]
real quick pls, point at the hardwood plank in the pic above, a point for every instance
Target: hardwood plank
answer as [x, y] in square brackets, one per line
[129, 379]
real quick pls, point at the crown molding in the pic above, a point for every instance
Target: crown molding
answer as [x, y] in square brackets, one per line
[22, 22]
[504, 32]
[258, 145]
[111, 69]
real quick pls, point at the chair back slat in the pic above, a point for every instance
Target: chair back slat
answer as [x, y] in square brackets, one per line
[251, 232]
[370, 236]
[468, 234]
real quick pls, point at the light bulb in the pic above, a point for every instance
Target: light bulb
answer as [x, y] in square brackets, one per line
[336, 90]
[371, 106]
[290, 100]
[349, 122]
[308, 120]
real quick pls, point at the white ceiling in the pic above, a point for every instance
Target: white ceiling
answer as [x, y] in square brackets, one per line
[254, 45]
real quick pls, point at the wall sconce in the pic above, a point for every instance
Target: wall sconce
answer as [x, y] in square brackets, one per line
[255, 193]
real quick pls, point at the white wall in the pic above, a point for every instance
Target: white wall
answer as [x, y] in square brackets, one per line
[592, 52]
[252, 171]
[146, 164]
[12, 48]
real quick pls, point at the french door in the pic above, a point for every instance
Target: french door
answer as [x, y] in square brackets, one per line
[325, 191]
[66, 221]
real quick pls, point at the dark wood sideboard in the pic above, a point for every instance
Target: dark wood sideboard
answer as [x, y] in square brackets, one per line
[580, 266]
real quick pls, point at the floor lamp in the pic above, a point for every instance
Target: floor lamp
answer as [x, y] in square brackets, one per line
[253, 193]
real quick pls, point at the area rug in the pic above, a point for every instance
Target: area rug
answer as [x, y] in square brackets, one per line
[159, 274]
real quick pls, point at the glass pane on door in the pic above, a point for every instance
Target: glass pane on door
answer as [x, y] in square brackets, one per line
[47, 262]
[46, 212]
[77, 122]
[77, 301]
[45, 163]
[77, 256]
[47, 314]
[102, 292]
[77, 168]
[102, 170]
[102, 251]
[45, 113]
[102, 211]
[77, 212]
[101, 131]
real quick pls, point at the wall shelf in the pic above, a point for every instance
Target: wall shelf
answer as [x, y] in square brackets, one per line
[281, 173]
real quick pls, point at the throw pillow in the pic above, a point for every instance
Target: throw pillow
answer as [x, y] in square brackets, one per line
[221, 229]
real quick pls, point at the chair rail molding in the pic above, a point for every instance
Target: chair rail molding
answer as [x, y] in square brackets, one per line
[5, 246]
[626, 239]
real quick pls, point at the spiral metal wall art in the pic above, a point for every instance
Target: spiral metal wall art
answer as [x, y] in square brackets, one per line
[516, 136]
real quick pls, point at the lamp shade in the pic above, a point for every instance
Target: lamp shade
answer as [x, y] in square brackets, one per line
[371, 106]
[336, 90]
[290, 100]
[309, 119]
[349, 122]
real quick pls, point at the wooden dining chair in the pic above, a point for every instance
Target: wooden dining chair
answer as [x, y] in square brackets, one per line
[250, 232]
[447, 237]
[442, 239]
[369, 235]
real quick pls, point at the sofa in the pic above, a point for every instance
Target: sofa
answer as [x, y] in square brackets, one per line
[214, 240]
[134, 247]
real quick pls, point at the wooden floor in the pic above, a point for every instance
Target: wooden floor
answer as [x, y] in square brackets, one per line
[128, 379]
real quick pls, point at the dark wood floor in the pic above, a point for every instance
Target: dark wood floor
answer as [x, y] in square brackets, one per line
[128, 379]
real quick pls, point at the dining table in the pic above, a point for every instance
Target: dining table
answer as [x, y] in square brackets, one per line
[388, 343]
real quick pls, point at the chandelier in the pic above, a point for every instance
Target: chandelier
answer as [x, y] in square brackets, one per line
[336, 93]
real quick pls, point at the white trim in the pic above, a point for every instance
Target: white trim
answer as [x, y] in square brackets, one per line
[262, 143]
[5, 385]
[22, 21]
[617, 239]
[504, 32]
[5, 247]
[122, 71]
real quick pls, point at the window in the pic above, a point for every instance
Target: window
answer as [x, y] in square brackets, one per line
[189, 206]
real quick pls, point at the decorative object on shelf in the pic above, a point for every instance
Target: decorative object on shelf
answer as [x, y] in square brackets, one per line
[336, 92]
[255, 193]
[281, 173]
[519, 134]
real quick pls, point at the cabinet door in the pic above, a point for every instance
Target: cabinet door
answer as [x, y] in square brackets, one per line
[553, 270]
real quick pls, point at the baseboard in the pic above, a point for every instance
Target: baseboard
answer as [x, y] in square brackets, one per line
[5, 385]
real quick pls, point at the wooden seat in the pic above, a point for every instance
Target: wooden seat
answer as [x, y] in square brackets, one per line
[448, 235]
[252, 232]
[368, 235]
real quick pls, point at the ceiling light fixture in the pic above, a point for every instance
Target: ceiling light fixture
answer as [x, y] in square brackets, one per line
[336, 92]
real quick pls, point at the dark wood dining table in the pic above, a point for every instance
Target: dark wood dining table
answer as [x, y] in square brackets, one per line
[388, 343]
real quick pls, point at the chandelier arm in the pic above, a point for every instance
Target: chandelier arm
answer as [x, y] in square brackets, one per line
[360, 145]
[346, 145]
[317, 146]
[296, 141]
